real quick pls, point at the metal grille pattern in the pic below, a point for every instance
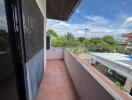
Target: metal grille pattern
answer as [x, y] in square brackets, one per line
[33, 27]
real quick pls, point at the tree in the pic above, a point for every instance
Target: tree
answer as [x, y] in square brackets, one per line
[67, 40]
[98, 45]
[109, 40]
[51, 32]
[3, 40]
[71, 41]
[59, 41]
[69, 36]
[81, 39]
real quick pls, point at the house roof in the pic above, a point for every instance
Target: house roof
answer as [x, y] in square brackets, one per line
[61, 9]
[127, 35]
[118, 62]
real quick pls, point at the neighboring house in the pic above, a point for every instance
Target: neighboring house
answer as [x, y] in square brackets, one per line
[129, 40]
[120, 39]
[117, 62]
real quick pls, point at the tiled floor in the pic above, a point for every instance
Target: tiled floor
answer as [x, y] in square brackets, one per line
[57, 84]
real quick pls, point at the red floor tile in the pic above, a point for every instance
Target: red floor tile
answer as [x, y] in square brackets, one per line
[57, 84]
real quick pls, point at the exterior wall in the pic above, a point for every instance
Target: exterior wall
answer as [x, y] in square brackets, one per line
[128, 85]
[129, 40]
[87, 87]
[55, 53]
[34, 74]
[35, 65]
[42, 6]
[129, 45]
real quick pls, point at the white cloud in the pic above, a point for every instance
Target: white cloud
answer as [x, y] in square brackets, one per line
[77, 11]
[78, 29]
[129, 20]
[127, 24]
[3, 23]
[99, 26]
[61, 25]
[97, 20]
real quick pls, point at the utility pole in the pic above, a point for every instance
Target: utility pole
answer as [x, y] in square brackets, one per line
[85, 37]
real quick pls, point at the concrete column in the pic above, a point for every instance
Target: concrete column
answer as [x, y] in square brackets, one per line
[128, 85]
[42, 6]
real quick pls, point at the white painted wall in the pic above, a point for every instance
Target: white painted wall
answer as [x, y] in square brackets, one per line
[34, 70]
[87, 83]
[42, 6]
[128, 85]
[87, 86]
[55, 53]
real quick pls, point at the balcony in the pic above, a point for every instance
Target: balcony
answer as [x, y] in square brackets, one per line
[67, 77]
[57, 84]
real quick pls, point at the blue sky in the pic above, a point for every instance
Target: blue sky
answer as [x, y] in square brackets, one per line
[102, 17]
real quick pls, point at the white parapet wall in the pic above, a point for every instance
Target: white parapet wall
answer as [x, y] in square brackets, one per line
[90, 83]
[55, 53]
[87, 87]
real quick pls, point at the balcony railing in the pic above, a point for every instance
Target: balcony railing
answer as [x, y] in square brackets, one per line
[86, 83]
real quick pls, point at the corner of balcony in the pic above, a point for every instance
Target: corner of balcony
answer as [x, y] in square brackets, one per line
[67, 77]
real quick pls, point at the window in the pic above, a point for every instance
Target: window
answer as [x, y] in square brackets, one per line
[8, 89]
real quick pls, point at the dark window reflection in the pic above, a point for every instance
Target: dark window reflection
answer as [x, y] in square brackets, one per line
[3, 29]
[8, 89]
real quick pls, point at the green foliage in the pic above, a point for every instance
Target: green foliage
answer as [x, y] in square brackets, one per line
[78, 50]
[119, 85]
[69, 36]
[67, 40]
[98, 45]
[109, 39]
[3, 40]
[104, 44]
[51, 32]
[59, 41]
[121, 49]
[70, 40]
[81, 39]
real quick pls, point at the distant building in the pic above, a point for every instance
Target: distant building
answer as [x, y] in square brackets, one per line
[129, 40]
[120, 39]
[118, 63]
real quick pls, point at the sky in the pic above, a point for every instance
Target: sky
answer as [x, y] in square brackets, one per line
[101, 17]
[3, 23]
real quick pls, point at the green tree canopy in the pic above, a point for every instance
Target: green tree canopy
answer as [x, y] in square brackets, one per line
[81, 39]
[104, 44]
[67, 40]
[59, 41]
[70, 40]
[51, 32]
[3, 40]
[69, 36]
[109, 39]
[98, 45]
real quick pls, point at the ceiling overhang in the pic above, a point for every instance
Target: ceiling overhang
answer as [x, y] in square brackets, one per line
[61, 9]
